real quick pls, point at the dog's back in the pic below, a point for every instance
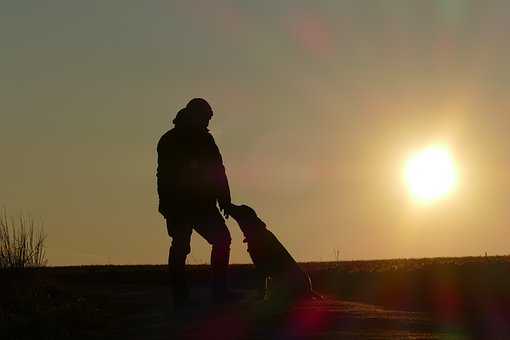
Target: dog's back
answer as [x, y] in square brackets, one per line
[286, 275]
[265, 247]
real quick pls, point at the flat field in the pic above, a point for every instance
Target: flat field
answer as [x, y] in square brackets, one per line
[439, 298]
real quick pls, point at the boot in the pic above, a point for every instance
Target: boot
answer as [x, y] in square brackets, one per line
[178, 281]
[219, 263]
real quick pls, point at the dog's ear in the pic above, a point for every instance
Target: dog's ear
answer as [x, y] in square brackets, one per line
[251, 214]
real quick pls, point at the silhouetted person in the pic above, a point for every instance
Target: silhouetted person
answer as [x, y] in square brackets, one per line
[191, 180]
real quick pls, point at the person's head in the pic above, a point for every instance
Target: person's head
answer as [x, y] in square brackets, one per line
[196, 114]
[200, 112]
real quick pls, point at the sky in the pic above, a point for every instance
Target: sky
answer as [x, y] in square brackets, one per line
[318, 105]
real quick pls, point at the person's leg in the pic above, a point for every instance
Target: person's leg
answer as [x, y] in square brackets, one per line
[212, 227]
[179, 249]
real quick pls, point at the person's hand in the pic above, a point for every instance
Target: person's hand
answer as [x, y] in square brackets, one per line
[225, 208]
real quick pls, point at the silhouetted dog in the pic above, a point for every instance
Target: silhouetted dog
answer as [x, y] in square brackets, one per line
[284, 278]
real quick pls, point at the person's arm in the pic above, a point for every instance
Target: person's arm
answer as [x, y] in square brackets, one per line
[220, 179]
[166, 174]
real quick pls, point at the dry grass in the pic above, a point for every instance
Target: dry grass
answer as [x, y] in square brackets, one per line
[22, 242]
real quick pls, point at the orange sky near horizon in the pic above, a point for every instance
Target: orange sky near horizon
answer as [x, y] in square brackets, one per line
[317, 109]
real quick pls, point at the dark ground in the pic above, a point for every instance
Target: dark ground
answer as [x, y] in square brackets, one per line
[450, 298]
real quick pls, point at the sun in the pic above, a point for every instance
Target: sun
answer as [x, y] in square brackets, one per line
[430, 174]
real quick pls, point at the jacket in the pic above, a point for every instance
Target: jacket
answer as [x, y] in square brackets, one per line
[190, 172]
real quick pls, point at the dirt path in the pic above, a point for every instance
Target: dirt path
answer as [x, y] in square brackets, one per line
[146, 313]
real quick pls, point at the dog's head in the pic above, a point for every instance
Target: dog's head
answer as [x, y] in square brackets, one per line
[247, 219]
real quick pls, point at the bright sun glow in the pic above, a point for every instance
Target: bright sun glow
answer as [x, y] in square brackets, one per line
[430, 174]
